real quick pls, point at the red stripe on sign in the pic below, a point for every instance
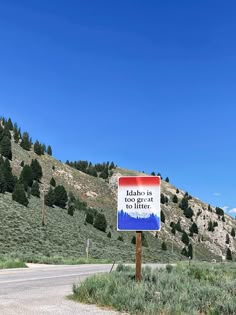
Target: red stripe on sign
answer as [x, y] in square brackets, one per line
[139, 181]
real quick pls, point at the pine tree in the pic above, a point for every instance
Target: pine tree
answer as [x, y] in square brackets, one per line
[190, 251]
[5, 147]
[36, 170]
[163, 199]
[35, 189]
[9, 124]
[167, 179]
[19, 194]
[175, 199]
[227, 239]
[53, 182]
[109, 234]
[163, 217]
[89, 218]
[10, 180]
[61, 197]
[100, 222]
[185, 238]
[37, 148]
[228, 254]
[184, 203]
[26, 141]
[194, 228]
[133, 240]
[163, 246]
[233, 232]
[3, 185]
[26, 176]
[50, 198]
[188, 212]
[49, 150]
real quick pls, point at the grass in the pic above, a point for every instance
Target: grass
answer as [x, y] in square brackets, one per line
[64, 238]
[201, 288]
[6, 262]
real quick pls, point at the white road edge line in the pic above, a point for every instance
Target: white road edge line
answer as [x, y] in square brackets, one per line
[53, 277]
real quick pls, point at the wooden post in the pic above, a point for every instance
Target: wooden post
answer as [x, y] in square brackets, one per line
[138, 275]
[43, 210]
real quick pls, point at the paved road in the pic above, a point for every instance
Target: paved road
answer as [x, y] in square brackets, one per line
[42, 290]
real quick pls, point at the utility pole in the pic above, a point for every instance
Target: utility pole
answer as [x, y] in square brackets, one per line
[43, 208]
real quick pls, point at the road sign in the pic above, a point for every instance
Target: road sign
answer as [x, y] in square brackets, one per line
[139, 203]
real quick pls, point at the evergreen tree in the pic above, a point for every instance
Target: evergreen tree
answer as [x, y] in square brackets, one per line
[133, 240]
[5, 147]
[184, 252]
[163, 246]
[233, 232]
[228, 254]
[10, 180]
[71, 209]
[26, 141]
[175, 199]
[100, 222]
[190, 251]
[163, 199]
[109, 234]
[26, 176]
[19, 194]
[89, 218]
[178, 226]
[177, 191]
[35, 189]
[9, 124]
[184, 203]
[153, 173]
[49, 150]
[219, 211]
[50, 198]
[36, 170]
[185, 238]
[53, 182]
[167, 179]
[61, 197]
[71, 204]
[163, 217]
[188, 212]
[173, 230]
[144, 240]
[37, 148]
[227, 239]
[3, 185]
[210, 226]
[194, 228]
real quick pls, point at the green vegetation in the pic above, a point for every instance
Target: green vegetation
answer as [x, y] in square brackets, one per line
[6, 262]
[196, 289]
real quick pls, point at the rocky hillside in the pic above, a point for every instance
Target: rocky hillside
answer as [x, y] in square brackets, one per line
[207, 229]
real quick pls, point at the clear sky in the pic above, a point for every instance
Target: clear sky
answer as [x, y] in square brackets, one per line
[150, 85]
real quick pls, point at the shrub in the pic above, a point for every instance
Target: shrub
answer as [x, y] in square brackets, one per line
[89, 218]
[228, 254]
[109, 234]
[233, 232]
[120, 238]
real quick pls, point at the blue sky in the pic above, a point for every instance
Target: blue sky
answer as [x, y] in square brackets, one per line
[149, 85]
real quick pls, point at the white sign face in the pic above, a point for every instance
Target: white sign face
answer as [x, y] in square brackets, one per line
[139, 203]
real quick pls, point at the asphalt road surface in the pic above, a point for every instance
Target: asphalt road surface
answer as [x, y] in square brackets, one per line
[42, 289]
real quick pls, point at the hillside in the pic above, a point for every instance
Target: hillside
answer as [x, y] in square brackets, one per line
[22, 233]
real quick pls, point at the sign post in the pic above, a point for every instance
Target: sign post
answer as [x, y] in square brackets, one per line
[138, 256]
[138, 209]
